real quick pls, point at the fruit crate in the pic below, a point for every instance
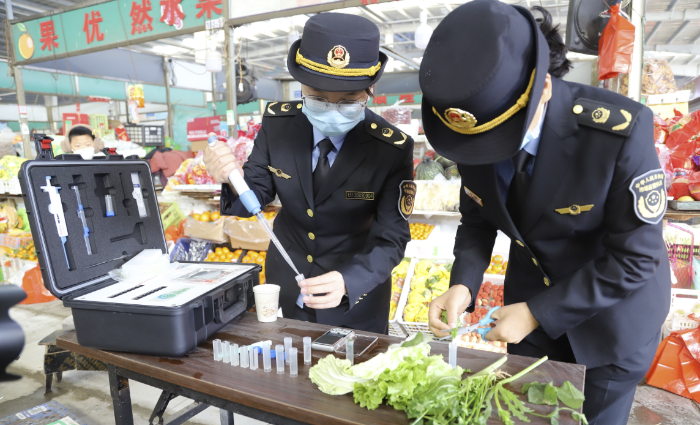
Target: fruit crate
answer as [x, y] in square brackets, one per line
[99, 123]
[395, 328]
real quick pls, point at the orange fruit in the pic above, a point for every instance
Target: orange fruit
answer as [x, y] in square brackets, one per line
[197, 217]
[206, 217]
[225, 249]
[215, 216]
[498, 259]
[219, 250]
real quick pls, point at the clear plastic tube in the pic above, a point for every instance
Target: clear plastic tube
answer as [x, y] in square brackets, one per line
[234, 355]
[293, 365]
[253, 358]
[279, 355]
[226, 352]
[267, 361]
[453, 355]
[350, 349]
[287, 347]
[244, 357]
[307, 350]
[109, 206]
[217, 350]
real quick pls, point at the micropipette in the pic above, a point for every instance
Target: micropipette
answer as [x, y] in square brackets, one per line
[251, 203]
[56, 208]
[81, 214]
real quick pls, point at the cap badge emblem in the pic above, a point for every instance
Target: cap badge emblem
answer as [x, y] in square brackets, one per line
[459, 118]
[338, 57]
[601, 115]
[387, 132]
[286, 107]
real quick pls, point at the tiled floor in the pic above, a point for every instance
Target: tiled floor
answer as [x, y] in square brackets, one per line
[86, 394]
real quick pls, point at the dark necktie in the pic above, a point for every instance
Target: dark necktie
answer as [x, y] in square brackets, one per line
[323, 166]
[517, 193]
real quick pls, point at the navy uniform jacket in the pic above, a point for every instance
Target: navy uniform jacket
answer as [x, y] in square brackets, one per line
[600, 276]
[353, 226]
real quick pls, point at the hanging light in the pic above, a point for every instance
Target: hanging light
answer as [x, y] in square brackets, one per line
[423, 32]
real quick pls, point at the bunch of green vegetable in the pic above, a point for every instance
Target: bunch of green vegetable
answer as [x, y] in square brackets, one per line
[433, 393]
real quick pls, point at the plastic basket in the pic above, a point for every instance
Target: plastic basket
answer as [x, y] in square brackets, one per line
[413, 328]
[683, 299]
[395, 328]
[680, 243]
[13, 186]
[99, 122]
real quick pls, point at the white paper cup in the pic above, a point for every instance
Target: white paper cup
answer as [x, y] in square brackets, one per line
[267, 300]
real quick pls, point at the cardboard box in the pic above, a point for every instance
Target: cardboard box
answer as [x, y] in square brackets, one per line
[247, 234]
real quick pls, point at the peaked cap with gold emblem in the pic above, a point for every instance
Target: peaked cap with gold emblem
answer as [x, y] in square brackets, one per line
[482, 78]
[337, 52]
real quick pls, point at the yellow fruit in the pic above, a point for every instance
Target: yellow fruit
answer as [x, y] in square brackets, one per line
[215, 216]
[197, 217]
[686, 199]
[206, 217]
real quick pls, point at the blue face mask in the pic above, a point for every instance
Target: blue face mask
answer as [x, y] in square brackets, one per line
[332, 123]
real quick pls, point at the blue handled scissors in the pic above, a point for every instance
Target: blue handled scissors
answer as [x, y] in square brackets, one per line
[481, 327]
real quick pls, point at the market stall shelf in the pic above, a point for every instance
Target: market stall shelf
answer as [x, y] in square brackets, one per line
[293, 400]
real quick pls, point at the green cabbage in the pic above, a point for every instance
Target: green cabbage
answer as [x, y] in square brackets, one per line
[333, 376]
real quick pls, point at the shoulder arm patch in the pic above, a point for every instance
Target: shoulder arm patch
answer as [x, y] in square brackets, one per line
[282, 109]
[604, 116]
[649, 192]
[387, 133]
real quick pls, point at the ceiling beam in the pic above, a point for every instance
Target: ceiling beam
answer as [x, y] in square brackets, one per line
[677, 33]
[676, 48]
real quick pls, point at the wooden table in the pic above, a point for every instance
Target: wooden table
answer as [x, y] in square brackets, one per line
[281, 399]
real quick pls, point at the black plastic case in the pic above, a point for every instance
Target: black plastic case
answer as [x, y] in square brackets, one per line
[155, 330]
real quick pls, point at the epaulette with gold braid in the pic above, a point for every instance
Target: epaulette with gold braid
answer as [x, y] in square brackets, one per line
[386, 132]
[604, 116]
[282, 109]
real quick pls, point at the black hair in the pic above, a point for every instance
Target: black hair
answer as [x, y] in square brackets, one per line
[80, 131]
[559, 65]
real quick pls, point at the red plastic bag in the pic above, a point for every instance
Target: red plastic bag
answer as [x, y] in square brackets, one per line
[676, 367]
[679, 187]
[660, 130]
[615, 46]
[684, 130]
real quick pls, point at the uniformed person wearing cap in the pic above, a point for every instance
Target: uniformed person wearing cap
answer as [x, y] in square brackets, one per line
[569, 172]
[343, 174]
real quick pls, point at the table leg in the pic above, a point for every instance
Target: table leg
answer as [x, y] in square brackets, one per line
[226, 417]
[47, 382]
[121, 397]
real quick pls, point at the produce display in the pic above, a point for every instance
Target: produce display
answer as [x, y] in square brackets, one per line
[207, 216]
[398, 276]
[657, 77]
[428, 169]
[269, 215]
[437, 195]
[256, 257]
[498, 265]
[406, 377]
[9, 166]
[420, 231]
[430, 280]
[223, 255]
[27, 252]
[433, 165]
